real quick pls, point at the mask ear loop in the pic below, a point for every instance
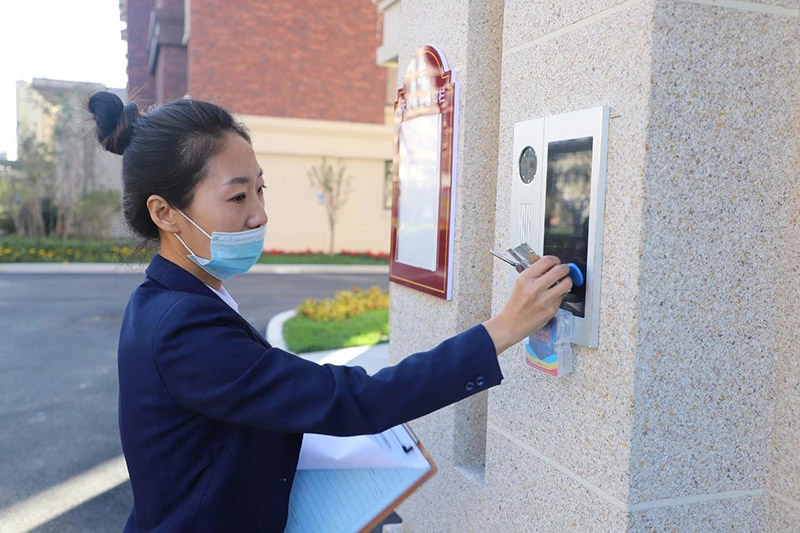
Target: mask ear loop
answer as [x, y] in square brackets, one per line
[196, 226]
[184, 244]
[193, 223]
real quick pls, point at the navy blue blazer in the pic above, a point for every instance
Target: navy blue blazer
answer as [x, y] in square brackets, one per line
[212, 417]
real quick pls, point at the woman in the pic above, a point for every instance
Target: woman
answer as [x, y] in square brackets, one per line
[211, 416]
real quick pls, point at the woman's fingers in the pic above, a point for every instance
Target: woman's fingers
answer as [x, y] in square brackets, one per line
[560, 289]
[533, 302]
[540, 267]
[555, 274]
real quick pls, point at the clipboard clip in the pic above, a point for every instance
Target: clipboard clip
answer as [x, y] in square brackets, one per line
[411, 432]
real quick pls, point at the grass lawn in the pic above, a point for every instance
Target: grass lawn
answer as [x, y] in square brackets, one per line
[305, 335]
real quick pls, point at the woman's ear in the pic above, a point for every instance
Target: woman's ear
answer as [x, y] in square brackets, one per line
[162, 213]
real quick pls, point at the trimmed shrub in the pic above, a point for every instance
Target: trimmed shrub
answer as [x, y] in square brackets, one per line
[346, 304]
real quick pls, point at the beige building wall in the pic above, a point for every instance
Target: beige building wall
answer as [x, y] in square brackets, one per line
[35, 115]
[686, 417]
[288, 148]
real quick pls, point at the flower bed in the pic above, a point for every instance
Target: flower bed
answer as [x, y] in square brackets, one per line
[352, 318]
[54, 250]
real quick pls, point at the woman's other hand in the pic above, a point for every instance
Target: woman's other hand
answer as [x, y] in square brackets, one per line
[533, 302]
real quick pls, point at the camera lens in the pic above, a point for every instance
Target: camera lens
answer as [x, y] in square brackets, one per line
[527, 164]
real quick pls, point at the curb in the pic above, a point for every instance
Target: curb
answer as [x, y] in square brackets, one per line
[137, 268]
[274, 334]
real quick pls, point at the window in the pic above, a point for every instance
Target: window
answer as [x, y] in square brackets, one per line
[388, 176]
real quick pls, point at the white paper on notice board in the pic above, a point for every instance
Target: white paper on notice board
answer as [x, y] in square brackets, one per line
[418, 204]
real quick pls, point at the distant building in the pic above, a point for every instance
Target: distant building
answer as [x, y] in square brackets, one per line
[35, 115]
[303, 78]
[52, 112]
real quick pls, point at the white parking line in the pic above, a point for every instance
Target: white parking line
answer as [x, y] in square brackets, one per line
[40, 508]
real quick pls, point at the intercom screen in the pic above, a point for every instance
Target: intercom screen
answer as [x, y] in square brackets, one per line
[566, 218]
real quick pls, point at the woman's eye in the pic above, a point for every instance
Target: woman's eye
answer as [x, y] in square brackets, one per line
[262, 189]
[239, 198]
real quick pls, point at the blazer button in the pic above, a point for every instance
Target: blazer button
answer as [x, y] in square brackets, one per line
[479, 381]
[469, 387]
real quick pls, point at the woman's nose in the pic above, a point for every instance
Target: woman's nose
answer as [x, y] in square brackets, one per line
[259, 219]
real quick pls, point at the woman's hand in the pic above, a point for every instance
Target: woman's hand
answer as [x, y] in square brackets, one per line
[533, 302]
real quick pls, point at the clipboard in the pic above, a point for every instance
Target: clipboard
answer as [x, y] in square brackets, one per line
[350, 484]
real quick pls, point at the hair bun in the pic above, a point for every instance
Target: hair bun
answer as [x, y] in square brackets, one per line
[113, 120]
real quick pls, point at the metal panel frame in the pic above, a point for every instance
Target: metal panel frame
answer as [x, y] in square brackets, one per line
[528, 200]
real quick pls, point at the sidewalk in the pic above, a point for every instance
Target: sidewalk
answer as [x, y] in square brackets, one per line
[138, 268]
[371, 358]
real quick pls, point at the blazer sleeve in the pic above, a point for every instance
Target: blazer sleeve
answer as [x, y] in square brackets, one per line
[210, 365]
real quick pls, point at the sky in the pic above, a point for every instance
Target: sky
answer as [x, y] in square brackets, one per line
[75, 40]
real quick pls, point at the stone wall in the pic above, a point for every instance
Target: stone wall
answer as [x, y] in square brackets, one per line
[687, 416]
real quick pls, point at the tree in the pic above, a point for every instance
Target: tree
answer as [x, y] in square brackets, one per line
[94, 211]
[28, 194]
[9, 174]
[334, 186]
[74, 149]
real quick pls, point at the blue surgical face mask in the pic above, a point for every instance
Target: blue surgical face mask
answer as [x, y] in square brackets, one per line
[232, 253]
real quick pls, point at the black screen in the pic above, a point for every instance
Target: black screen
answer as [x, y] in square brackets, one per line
[566, 216]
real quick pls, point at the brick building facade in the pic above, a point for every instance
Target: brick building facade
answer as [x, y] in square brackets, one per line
[141, 86]
[278, 58]
[302, 76]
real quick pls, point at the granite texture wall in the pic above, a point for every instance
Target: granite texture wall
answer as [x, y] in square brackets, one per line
[687, 416]
[718, 321]
[467, 33]
[576, 430]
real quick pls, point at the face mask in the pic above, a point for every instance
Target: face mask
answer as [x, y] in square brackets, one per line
[232, 253]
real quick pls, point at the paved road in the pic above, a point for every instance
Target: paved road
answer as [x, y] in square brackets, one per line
[58, 382]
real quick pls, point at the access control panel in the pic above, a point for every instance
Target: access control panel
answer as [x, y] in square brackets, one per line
[557, 202]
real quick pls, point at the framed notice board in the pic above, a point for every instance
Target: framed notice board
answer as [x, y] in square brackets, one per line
[423, 185]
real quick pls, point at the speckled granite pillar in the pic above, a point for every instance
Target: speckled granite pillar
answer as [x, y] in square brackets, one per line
[717, 300]
[559, 450]
[687, 416]
[468, 33]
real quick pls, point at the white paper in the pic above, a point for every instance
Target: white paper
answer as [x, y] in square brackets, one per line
[344, 500]
[418, 204]
[384, 450]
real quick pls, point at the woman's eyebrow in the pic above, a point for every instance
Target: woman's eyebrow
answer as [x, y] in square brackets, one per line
[241, 179]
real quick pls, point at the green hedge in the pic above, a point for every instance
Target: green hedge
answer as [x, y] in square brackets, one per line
[54, 250]
[15, 249]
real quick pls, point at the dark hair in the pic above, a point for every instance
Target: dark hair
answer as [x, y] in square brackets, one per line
[164, 151]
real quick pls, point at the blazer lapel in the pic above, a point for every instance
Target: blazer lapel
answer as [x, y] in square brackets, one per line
[173, 277]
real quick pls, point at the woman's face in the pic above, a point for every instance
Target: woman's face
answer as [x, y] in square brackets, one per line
[229, 198]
